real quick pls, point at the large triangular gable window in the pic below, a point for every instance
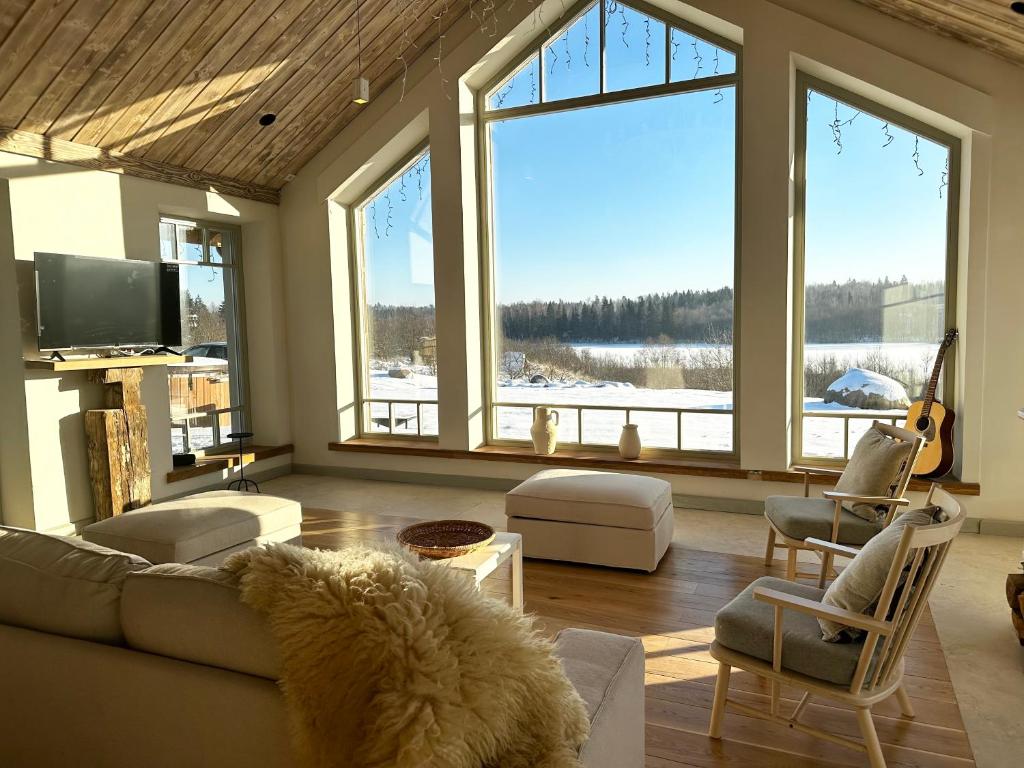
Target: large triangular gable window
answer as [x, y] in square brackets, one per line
[610, 47]
[608, 188]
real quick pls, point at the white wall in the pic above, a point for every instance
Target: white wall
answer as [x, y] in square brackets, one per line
[960, 89]
[65, 209]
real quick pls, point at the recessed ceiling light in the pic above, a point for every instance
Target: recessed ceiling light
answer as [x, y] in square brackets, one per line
[267, 119]
[1018, 7]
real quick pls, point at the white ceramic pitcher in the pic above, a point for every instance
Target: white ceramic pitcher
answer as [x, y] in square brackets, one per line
[544, 430]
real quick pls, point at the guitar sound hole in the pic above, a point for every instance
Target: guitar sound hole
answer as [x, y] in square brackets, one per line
[922, 424]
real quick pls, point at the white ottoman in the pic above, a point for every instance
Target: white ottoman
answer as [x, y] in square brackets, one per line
[202, 529]
[601, 518]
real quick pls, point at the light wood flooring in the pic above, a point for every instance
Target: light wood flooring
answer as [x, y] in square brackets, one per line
[673, 610]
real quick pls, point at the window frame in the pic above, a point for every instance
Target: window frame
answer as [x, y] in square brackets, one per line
[234, 269]
[360, 327]
[805, 83]
[484, 183]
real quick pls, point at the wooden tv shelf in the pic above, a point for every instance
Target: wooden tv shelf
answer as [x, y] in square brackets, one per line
[103, 363]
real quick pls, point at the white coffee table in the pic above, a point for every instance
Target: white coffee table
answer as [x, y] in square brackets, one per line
[483, 562]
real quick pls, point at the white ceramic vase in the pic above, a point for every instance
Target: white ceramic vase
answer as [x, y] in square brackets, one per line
[544, 430]
[629, 442]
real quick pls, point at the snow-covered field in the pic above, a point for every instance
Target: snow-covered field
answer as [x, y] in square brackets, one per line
[911, 353]
[823, 436]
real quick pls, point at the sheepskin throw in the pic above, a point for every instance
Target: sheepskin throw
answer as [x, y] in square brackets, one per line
[390, 662]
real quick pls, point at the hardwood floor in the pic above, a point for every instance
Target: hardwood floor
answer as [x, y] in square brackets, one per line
[672, 611]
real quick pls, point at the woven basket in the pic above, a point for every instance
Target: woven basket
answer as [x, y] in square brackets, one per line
[440, 539]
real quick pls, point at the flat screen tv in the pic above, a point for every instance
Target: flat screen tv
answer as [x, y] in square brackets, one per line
[84, 302]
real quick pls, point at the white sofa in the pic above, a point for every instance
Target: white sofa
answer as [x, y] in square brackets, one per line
[108, 661]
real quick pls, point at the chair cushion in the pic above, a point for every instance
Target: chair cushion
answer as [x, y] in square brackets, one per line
[873, 468]
[859, 584]
[597, 498]
[746, 625]
[800, 518]
[187, 529]
[194, 613]
[62, 585]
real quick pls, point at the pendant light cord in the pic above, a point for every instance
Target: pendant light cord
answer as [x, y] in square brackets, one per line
[359, 43]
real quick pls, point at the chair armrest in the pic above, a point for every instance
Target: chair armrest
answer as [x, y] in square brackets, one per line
[827, 546]
[821, 610]
[856, 497]
[816, 470]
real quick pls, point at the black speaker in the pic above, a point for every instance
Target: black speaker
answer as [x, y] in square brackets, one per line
[183, 459]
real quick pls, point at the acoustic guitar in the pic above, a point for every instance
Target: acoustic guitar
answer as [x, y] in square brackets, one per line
[934, 422]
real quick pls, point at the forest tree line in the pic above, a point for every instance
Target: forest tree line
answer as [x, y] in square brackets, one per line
[857, 311]
[854, 311]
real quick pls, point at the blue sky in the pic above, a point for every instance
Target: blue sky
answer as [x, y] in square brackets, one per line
[638, 197]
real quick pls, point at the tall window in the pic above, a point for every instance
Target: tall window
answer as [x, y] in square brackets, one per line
[396, 334]
[209, 394]
[611, 188]
[876, 261]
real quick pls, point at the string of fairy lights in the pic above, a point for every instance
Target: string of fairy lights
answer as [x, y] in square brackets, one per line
[838, 124]
[484, 13]
[413, 175]
[559, 52]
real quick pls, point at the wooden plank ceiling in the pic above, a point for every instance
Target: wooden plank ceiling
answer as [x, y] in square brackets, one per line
[174, 89]
[987, 24]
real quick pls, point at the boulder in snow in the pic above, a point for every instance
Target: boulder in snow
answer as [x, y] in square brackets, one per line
[400, 373]
[860, 388]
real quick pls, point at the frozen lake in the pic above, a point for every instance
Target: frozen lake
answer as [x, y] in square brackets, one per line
[906, 352]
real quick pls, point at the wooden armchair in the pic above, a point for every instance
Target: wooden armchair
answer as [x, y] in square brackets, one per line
[775, 622]
[793, 519]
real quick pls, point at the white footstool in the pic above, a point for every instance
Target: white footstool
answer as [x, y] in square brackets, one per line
[601, 518]
[202, 529]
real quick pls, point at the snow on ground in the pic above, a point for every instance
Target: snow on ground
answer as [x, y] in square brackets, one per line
[823, 436]
[911, 353]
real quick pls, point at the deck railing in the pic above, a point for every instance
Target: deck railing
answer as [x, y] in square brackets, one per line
[894, 418]
[392, 423]
[629, 410]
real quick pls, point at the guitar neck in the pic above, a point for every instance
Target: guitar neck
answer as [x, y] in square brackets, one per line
[933, 382]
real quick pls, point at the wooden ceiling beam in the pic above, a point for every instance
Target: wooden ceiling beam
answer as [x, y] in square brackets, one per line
[94, 158]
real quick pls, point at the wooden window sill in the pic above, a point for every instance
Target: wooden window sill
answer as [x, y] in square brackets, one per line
[212, 463]
[609, 460]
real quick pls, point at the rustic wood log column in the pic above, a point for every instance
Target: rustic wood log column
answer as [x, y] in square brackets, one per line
[118, 444]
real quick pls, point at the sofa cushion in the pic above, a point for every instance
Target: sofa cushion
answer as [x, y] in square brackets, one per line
[187, 529]
[193, 613]
[800, 518]
[747, 625]
[597, 498]
[62, 585]
[608, 673]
